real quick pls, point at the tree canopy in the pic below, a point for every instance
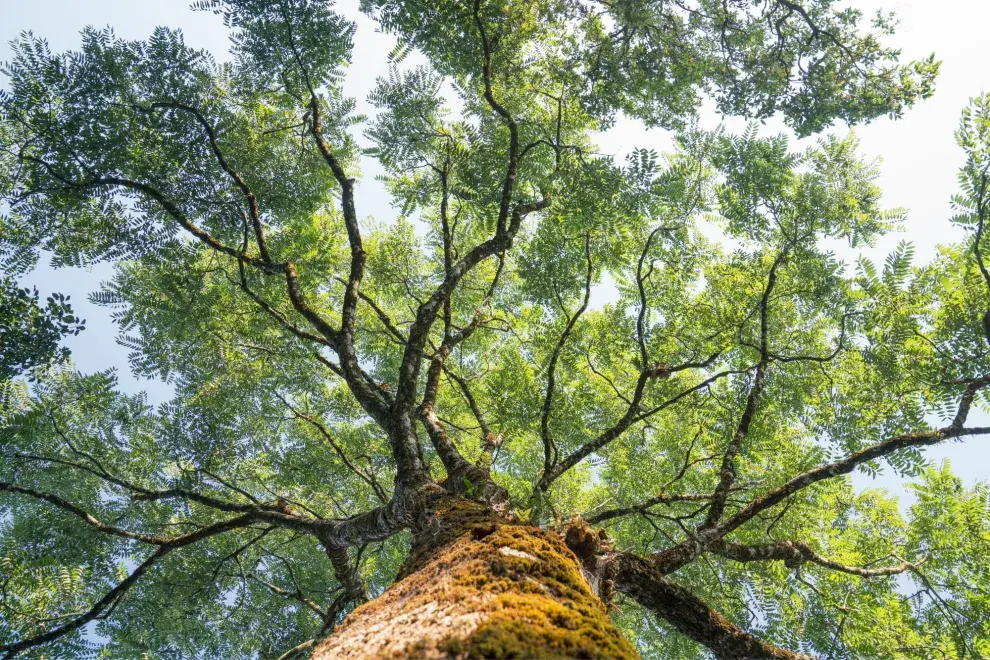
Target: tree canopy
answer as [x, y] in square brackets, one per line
[327, 365]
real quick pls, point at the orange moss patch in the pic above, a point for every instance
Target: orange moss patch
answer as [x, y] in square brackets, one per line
[475, 587]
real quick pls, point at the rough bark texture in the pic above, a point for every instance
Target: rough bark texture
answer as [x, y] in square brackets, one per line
[639, 578]
[477, 585]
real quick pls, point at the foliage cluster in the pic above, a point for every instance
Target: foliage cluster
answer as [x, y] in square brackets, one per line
[328, 367]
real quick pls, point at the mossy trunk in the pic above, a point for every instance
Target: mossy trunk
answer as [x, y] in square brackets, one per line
[478, 586]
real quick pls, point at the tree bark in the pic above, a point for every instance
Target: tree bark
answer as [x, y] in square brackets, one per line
[638, 578]
[479, 585]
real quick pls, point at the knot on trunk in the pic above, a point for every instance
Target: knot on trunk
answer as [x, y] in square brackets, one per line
[596, 553]
[474, 482]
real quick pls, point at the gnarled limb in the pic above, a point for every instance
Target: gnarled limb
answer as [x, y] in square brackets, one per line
[343, 340]
[379, 523]
[639, 578]
[350, 578]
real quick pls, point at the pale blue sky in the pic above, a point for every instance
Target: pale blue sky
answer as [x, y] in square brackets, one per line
[920, 159]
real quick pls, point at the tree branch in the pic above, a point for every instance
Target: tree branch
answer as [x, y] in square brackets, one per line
[645, 505]
[122, 588]
[348, 575]
[727, 474]
[79, 512]
[508, 223]
[795, 553]
[316, 424]
[632, 414]
[638, 578]
[549, 446]
[226, 167]
[683, 553]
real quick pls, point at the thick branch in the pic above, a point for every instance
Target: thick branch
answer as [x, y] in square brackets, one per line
[644, 355]
[348, 313]
[846, 466]
[426, 315]
[377, 524]
[348, 575]
[344, 340]
[403, 433]
[638, 578]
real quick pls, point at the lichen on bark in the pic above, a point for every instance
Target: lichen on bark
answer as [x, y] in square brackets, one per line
[480, 586]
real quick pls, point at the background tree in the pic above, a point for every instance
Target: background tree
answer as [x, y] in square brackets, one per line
[30, 333]
[430, 414]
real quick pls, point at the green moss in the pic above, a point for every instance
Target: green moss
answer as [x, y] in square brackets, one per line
[509, 590]
[452, 518]
[542, 607]
[452, 646]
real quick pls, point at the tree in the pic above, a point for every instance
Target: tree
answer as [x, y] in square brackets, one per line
[427, 420]
[30, 333]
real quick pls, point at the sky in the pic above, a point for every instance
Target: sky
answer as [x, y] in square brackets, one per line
[918, 168]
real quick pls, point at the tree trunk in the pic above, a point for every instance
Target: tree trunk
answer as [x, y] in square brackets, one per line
[477, 585]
